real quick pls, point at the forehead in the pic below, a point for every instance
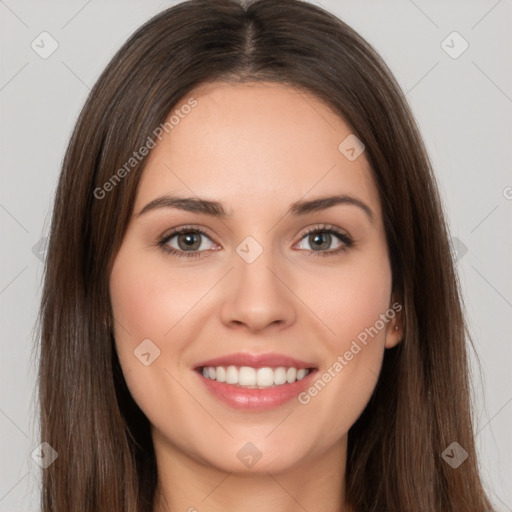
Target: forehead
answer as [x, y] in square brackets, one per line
[254, 145]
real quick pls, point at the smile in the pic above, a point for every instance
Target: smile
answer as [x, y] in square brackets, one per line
[255, 382]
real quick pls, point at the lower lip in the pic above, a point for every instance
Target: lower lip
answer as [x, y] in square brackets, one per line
[256, 399]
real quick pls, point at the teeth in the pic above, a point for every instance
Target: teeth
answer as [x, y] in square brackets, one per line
[279, 376]
[221, 374]
[301, 373]
[231, 375]
[246, 376]
[265, 377]
[291, 375]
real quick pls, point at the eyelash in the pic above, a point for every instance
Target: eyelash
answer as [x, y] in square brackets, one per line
[347, 241]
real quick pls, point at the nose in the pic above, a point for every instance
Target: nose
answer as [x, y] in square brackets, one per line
[258, 297]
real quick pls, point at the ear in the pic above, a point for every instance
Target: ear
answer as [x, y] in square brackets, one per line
[395, 325]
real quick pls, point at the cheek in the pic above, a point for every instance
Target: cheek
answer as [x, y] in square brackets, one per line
[146, 309]
[147, 301]
[351, 299]
[353, 304]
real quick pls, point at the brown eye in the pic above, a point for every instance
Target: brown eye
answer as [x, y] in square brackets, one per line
[322, 239]
[189, 241]
[186, 242]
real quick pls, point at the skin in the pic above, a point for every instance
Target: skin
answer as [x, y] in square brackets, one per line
[256, 148]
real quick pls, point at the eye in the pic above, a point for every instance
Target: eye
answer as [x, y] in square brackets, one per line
[321, 238]
[186, 241]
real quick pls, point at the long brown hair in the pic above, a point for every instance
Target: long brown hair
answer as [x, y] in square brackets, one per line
[421, 403]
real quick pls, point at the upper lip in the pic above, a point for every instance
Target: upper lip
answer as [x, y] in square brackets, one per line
[256, 361]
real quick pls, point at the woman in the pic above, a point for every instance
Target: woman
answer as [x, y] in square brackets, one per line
[250, 299]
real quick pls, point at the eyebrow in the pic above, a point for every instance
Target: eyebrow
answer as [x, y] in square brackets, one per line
[215, 209]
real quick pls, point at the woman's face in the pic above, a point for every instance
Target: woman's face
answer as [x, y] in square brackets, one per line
[257, 290]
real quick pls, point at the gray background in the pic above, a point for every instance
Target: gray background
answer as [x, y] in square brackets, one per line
[463, 106]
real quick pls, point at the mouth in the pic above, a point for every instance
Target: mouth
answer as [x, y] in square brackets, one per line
[255, 382]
